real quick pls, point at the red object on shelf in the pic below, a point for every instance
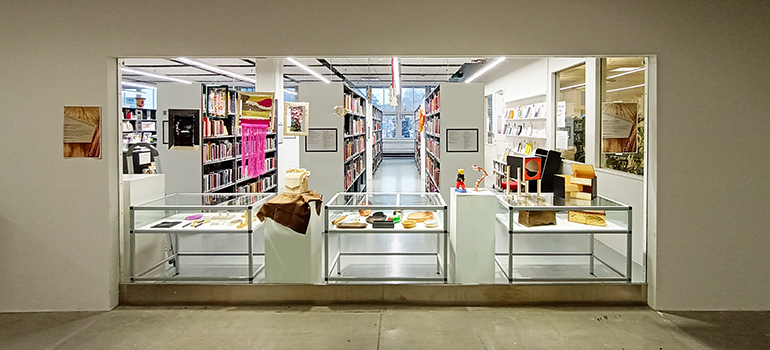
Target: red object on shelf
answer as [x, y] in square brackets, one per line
[513, 185]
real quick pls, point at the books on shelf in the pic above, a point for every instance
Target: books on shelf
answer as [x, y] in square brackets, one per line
[214, 127]
[217, 178]
[535, 110]
[213, 151]
[354, 146]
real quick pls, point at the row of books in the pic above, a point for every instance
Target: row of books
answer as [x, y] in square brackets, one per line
[138, 114]
[214, 127]
[353, 170]
[217, 150]
[264, 183]
[434, 103]
[520, 129]
[432, 126]
[355, 125]
[432, 146]
[217, 178]
[433, 170]
[353, 146]
[355, 104]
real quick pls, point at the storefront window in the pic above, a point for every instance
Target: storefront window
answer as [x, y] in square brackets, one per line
[623, 111]
[571, 113]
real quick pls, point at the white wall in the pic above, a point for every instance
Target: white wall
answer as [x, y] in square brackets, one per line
[710, 238]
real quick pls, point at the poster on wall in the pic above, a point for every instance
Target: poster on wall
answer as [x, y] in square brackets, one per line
[296, 118]
[462, 140]
[561, 114]
[216, 102]
[82, 132]
[184, 133]
[321, 140]
[619, 127]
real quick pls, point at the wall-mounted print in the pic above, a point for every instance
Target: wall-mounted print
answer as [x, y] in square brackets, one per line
[216, 102]
[82, 134]
[184, 133]
[619, 127]
[296, 118]
[255, 121]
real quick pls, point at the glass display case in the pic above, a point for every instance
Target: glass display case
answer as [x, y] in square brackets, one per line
[549, 239]
[399, 237]
[210, 237]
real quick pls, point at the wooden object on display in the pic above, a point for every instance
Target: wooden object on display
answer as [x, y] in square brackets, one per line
[352, 225]
[588, 217]
[532, 165]
[531, 218]
[580, 185]
[551, 166]
[420, 216]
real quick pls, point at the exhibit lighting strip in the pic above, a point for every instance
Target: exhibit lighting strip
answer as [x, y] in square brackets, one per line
[572, 87]
[626, 88]
[485, 69]
[290, 92]
[626, 73]
[314, 73]
[218, 70]
[139, 85]
[153, 75]
[396, 76]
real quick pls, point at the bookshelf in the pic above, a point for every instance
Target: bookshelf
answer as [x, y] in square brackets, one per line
[347, 167]
[525, 128]
[221, 158]
[418, 140]
[451, 106]
[139, 125]
[376, 138]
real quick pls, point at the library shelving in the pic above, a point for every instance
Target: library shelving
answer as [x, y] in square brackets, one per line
[354, 141]
[457, 107]
[221, 146]
[525, 128]
[418, 140]
[376, 138]
[139, 125]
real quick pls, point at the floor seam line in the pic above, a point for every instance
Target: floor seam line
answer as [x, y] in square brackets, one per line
[379, 332]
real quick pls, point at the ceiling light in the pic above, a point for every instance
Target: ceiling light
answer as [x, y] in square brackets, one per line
[573, 86]
[290, 92]
[153, 75]
[139, 85]
[216, 69]
[396, 75]
[626, 73]
[485, 69]
[626, 88]
[319, 76]
[624, 69]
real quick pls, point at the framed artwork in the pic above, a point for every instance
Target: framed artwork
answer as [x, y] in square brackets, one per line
[462, 140]
[184, 128]
[216, 102]
[321, 140]
[82, 133]
[296, 118]
[257, 105]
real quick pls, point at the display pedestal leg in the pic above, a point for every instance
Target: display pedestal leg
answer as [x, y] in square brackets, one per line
[291, 257]
[472, 237]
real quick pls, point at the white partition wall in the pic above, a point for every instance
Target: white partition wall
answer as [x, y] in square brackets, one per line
[182, 166]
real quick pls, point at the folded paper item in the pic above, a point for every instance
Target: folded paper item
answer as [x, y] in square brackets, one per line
[588, 217]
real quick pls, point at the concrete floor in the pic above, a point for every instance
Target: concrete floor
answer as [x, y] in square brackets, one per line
[372, 327]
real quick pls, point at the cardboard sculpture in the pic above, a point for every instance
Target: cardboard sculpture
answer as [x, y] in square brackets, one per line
[296, 180]
[530, 218]
[580, 185]
[588, 217]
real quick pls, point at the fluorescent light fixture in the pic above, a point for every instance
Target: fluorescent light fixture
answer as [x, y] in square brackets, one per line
[485, 69]
[624, 69]
[289, 92]
[218, 70]
[573, 86]
[626, 88]
[153, 75]
[133, 92]
[626, 73]
[139, 85]
[319, 76]
[396, 76]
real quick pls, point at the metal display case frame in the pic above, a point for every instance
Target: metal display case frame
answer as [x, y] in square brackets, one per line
[211, 203]
[353, 202]
[563, 227]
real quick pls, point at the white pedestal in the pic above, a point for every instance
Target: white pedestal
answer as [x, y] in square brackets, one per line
[138, 189]
[472, 236]
[291, 257]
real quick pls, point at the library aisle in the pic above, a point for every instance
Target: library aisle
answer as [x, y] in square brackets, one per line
[396, 175]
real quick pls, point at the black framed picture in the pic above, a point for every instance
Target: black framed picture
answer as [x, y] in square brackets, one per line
[321, 140]
[184, 125]
[462, 140]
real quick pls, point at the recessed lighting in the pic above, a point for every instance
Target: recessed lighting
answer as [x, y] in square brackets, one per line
[626, 88]
[139, 85]
[216, 69]
[153, 75]
[314, 73]
[485, 69]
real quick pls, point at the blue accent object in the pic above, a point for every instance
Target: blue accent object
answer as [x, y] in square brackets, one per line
[460, 190]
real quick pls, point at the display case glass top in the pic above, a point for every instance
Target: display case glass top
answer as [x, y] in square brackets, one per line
[363, 200]
[233, 200]
[547, 201]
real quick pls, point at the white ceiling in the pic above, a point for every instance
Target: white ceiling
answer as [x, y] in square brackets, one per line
[358, 71]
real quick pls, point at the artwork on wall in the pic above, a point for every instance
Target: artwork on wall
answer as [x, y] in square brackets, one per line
[184, 132]
[255, 120]
[216, 102]
[82, 132]
[296, 116]
[619, 127]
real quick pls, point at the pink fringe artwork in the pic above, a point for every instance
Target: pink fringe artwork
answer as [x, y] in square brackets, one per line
[254, 132]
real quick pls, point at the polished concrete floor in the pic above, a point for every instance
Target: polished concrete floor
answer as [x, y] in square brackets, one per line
[369, 327]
